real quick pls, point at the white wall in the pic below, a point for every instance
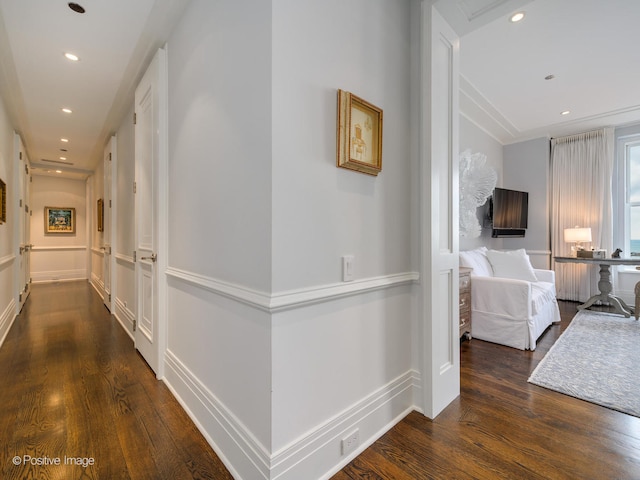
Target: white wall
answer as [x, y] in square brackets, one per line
[123, 237]
[95, 185]
[272, 354]
[527, 167]
[58, 256]
[8, 249]
[477, 140]
[219, 62]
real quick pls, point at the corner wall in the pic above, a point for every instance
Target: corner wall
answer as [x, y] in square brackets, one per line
[271, 353]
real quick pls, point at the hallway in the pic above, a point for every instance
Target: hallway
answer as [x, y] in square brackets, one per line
[79, 401]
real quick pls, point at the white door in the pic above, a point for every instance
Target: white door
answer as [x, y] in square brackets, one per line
[149, 106]
[439, 206]
[106, 224]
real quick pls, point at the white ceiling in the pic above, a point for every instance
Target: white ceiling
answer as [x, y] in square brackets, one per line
[591, 46]
[114, 39]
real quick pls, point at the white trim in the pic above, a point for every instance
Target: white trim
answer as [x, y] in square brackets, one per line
[98, 284]
[58, 248]
[97, 251]
[125, 317]
[214, 420]
[373, 415]
[6, 320]
[124, 259]
[6, 260]
[291, 299]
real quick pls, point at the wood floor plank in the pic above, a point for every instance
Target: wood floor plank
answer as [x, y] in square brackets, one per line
[75, 387]
[503, 427]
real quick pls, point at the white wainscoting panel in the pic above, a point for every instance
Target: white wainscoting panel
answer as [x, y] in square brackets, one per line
[58, 263]
[6, 320]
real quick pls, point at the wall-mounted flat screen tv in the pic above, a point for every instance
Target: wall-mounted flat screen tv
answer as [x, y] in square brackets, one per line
[509, 212]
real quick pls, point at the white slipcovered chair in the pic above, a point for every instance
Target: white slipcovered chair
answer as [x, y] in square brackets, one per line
[511, 302]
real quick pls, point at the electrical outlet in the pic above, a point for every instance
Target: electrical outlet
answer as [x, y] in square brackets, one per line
[350, 442]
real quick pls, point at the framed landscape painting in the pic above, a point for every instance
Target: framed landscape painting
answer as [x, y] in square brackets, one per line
[59, 220]
[3, 202]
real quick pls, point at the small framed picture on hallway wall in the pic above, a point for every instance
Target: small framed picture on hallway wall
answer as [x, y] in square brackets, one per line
[359, 134]
[3, 202]
[59, 220]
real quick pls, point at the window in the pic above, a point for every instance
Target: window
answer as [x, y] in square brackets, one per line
[632, 203]
[626, 193]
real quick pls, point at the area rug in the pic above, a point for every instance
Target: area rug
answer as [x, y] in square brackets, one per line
[596, 359]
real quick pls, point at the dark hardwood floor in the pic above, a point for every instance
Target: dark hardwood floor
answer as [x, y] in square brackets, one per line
[74, 386]
[502, 427]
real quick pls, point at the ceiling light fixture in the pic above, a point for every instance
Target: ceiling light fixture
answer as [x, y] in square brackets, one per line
[71, 56]
[65, 140]
[76, 7]
[63, 158]
[516, 17]
[66, 110]
[566, 112]
[549, 77]
[58, 171]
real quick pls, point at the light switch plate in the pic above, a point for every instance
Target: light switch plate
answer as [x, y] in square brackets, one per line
[347, 268]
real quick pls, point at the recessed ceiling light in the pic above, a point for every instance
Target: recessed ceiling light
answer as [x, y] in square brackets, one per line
[71, 56]
[549, 77]
[64, 150]
[63, 158]
[66, 110]
[76, 7]
[566, 112]
[516, 17]
[65, 140]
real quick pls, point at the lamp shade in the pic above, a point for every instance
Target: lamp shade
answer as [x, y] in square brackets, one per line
[577, 234]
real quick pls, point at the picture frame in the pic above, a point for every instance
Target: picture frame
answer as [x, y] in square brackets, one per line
[3, 202]
[59, 220]
[359, 132]
[100, 215]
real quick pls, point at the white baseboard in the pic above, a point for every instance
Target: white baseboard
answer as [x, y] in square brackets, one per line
[59, 276]
[317, 455]
[6, 320]
[125, 317]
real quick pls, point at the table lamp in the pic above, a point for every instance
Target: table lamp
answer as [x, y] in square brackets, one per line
[576, 236]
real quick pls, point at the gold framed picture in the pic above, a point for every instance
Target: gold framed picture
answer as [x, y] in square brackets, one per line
[3, 202]
[359, 134]
[100, 215]
[59, 220]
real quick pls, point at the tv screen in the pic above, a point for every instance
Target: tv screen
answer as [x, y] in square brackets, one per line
[510, 209]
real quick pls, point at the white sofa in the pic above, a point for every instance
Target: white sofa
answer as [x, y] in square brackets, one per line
[511, 302]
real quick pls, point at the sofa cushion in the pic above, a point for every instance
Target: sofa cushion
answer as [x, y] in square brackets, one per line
[477, 259]
[514, 264]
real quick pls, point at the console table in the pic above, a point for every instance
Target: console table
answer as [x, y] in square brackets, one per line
[604, 284]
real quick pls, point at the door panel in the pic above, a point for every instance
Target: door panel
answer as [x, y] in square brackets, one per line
[147, 147]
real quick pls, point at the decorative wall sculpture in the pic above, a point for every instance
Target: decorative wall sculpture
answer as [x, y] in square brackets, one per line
[477, 181]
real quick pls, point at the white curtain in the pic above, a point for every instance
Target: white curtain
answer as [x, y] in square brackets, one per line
[581, 171]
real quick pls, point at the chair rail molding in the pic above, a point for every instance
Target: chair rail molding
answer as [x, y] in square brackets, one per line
[291, 299]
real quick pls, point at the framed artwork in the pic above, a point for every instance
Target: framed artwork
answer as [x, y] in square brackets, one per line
[100, 215]
[359, 134]
[59, 220]
[3, 202]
